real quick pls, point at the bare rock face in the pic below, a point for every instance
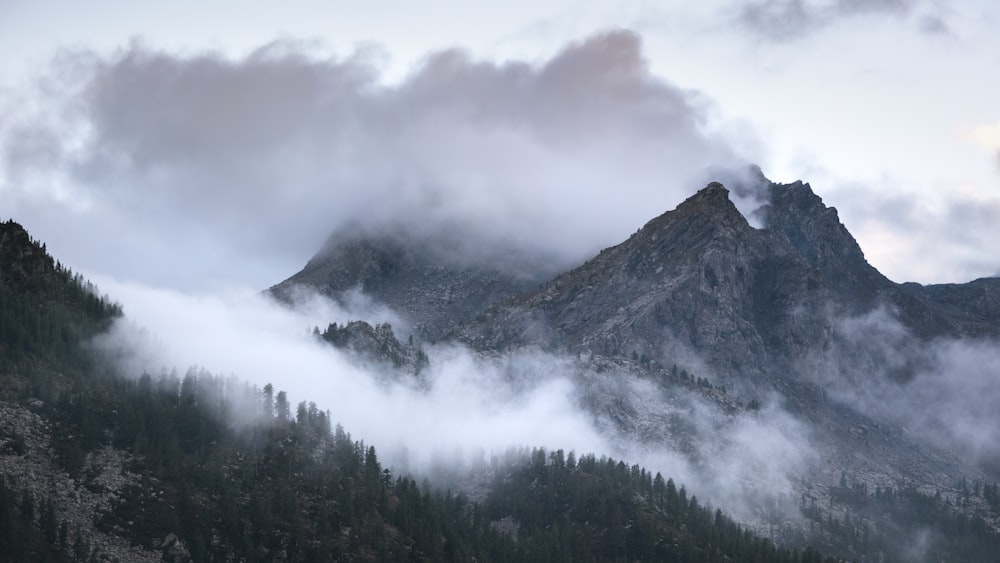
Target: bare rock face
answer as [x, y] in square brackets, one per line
[698, 281]
[977, 301]
[29, 464]
[690, 279]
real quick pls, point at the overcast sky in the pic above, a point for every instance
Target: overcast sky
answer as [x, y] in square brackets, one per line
[195, 146]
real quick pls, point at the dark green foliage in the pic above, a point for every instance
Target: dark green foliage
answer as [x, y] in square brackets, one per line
[599, 509]
[304, 488]
[377, 343]
[46, 311]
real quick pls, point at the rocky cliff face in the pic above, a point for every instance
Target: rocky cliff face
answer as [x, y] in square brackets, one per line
[977, 302]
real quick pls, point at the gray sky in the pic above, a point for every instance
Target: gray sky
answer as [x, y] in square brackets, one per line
[196, 147]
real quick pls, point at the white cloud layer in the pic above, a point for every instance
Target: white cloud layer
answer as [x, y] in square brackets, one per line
[183, 169]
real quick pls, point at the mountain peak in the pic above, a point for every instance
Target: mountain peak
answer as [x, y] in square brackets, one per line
[714, 194]
[714, 189]
[704, 212]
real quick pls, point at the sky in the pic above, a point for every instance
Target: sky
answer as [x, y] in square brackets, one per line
[198, 148]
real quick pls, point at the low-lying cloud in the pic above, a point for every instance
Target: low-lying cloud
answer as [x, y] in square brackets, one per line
[944, 392]
[144, 155]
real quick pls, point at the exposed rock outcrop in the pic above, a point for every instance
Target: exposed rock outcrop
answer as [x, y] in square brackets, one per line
[376, 345]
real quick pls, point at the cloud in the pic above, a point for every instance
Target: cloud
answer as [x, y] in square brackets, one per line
[254, 161]
[788, 20]
[466, 403]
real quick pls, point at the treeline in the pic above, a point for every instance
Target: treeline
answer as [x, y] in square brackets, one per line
[231, 471]
[375, 343]
[599, 509]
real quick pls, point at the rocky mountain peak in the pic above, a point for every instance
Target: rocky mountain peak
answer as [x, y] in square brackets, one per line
[699, 277]
[709, 204]
[376, 345]
[712, 194]
[707, 219]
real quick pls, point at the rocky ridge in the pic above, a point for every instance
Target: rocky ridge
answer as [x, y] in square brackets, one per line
[433, 293]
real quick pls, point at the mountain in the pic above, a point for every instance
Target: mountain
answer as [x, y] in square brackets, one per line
[375, 346]
[750, 302]
[432, 290]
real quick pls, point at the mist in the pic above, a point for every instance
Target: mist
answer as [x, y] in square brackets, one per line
[943, 392]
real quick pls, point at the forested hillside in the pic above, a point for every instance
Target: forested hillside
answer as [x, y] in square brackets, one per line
[46, 312]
